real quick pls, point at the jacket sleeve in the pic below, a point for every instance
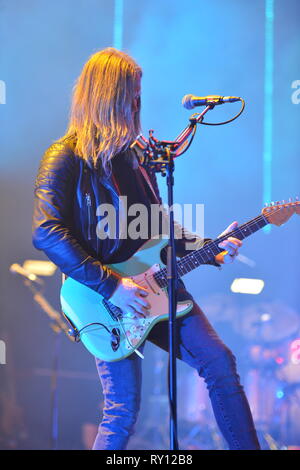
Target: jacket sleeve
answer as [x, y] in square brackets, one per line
[185, 241]
[52, 222]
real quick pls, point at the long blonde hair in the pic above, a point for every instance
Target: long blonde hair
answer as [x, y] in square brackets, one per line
[101, 115]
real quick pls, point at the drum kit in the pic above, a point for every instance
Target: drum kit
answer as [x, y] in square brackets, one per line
[272, 379]
[269, 362]
[268, 353]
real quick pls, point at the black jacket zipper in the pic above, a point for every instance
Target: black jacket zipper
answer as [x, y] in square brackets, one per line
[89, 206]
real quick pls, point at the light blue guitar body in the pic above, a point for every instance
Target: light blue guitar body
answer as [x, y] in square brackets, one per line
[101, 331]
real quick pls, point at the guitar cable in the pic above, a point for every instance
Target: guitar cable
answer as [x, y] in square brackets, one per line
[77, 333]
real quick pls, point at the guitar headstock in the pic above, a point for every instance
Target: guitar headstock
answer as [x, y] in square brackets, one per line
[279, 213]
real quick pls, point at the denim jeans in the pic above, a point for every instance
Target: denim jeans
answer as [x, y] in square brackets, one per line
[199, 346]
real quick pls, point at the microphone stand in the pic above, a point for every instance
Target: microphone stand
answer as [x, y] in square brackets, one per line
[172, 276]
[160, 155]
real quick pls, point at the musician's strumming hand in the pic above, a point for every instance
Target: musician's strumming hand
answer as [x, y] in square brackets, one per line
[230, 245]
[130, 298]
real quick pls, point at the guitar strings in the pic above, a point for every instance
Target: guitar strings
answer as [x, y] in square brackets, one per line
[161, 274]
[189, 258]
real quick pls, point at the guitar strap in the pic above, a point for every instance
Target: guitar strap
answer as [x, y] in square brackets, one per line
[146, 177]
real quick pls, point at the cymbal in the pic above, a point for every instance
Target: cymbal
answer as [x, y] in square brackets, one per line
[219, 307]
[289, 373]
[269, 321]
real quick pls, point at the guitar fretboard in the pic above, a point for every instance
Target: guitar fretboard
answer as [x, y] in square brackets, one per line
[207, 253]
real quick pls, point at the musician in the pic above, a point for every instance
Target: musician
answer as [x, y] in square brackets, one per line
[94, 164]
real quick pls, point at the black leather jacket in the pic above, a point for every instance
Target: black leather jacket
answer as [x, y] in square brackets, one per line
[67, 193]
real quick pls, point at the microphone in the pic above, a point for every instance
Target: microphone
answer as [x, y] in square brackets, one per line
[17, 269]
[191, 101]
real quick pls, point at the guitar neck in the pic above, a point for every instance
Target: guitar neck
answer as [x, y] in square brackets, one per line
[207, 253]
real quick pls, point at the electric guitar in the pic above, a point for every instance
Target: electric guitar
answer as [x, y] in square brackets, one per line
[110, 335]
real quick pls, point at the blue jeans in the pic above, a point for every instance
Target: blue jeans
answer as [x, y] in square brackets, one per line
[199, 346]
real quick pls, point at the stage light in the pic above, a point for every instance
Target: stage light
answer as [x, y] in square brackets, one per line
[247, 286]
[265, 317]
[39, 268]
[295, 351]
[268, 104]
